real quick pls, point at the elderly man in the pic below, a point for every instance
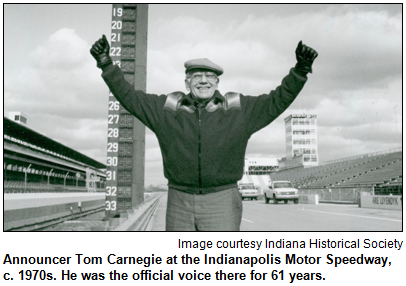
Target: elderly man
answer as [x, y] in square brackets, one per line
[203, 135]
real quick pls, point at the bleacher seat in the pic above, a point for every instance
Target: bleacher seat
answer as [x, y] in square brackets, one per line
[366, 170]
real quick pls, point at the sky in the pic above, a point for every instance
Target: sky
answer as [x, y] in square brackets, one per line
[355, 88]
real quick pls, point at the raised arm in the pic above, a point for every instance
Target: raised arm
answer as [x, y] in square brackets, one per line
[262, 110]
[146, 107]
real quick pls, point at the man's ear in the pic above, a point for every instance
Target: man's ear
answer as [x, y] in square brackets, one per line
[187, 85]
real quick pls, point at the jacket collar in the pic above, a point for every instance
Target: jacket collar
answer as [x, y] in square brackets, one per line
[189, 100]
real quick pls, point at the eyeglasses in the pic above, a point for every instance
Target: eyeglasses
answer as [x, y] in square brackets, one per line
[198, 77]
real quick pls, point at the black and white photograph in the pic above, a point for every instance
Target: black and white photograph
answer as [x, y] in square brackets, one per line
[257, 143]
[202, 117]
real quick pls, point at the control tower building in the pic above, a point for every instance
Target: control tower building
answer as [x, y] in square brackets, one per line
[301, 140]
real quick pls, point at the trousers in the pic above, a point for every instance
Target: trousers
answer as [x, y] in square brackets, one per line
[219, 211]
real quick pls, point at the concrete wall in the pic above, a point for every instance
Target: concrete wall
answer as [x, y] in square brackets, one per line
[309, 199]
[381, 202]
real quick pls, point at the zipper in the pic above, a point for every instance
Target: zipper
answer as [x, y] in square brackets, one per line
[200, 109]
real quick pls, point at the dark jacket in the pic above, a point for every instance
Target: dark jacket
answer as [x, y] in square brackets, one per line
[203, 151]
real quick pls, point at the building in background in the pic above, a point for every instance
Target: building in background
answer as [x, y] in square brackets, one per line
[260, 166]
[257, 171]
[33, 162]
[18, 116]
[301, 141]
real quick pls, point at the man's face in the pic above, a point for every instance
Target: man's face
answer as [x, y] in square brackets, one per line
[202, 84]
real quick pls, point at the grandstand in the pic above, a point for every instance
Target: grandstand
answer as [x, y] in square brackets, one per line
[379, 171]
[36, 163]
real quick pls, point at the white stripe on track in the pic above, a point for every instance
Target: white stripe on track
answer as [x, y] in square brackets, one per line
[247, 220]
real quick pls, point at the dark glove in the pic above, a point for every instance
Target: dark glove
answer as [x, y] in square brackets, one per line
[101, 52]
[305, 57]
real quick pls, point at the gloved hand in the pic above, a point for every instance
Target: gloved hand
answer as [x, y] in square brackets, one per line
[305, 57]
[101, 52]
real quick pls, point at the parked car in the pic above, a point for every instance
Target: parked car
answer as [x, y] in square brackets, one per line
[281, 191]
[248, 191]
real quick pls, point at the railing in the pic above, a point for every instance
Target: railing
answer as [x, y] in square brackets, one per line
[347, 194]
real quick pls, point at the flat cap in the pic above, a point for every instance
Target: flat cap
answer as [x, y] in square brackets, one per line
[203, 64]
